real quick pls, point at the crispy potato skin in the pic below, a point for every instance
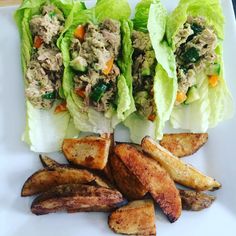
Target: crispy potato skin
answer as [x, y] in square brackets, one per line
[91, 152]
[183, 144]
[179, 171]
[136, 218]
[195, 201]
[48, 162]
[77, 198]
[154, 178]
[45, 179]
[127, 183]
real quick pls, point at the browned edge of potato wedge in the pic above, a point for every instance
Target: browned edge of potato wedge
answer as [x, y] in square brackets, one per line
[48, 162]
[90, 152]
[47, 178]
[136, 218]
[77, 198]
[183, 144]
[137, 146]
[107, 168]
[107, 171]
[154, 178]
[127, 183]
[195, 201]
[179, 171]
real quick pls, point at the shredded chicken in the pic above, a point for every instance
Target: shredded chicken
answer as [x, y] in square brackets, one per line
[197, 42]
[45, 68]
[47, 25]
[101, 43]
[144, 63]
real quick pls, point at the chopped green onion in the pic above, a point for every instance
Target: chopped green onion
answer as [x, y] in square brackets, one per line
[98, 91]
[196, 28]
[52, 14]
[49, 96]
[184, 68]
[191, 55]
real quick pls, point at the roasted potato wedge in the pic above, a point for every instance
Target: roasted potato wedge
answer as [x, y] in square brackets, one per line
[45, 179]
[91, 152]
[48, 162]
[77, 198]
[179, 171]
[136, 218]
[126, 182]
[195, 201]
[154, 178]
[183, 144]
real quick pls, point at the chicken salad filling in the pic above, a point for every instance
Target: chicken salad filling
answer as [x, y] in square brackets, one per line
[45, 69]
[195, 45]
[94, 51]
[144, 64]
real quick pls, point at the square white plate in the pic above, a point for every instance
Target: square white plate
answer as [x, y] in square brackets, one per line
[216, 158]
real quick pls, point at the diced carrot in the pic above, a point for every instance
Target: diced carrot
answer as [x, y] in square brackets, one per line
[80, 92]
[152, 117]
[38, 41]
[80, 32]
[181, 97]
[60, 108]
[213, 80]
[109, 66]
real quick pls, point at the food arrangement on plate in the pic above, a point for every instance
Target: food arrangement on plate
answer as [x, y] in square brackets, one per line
[90, 69]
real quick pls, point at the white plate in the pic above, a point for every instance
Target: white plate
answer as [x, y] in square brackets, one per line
[217, 158]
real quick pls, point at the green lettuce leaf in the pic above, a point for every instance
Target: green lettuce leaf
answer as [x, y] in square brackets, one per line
[44, 130]
[139, 127]
[123, 94]
[220, 99]
[87, 119]
[119, 10]
[211, 10]
[142, 14]
[151, 16]
[126, 104]
[215, 104]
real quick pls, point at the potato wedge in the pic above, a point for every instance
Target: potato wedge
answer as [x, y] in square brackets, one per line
[136, 218]
[183, 144]
[126, 182]
[77, 198]
[48, 162]
[195, 201]
[179, 171]
[154, 178]
[91, 152]
[45, 179]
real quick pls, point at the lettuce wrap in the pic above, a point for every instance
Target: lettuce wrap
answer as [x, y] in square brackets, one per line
[154, 77]
[47, 120]
[195, 31]
[98, 87]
